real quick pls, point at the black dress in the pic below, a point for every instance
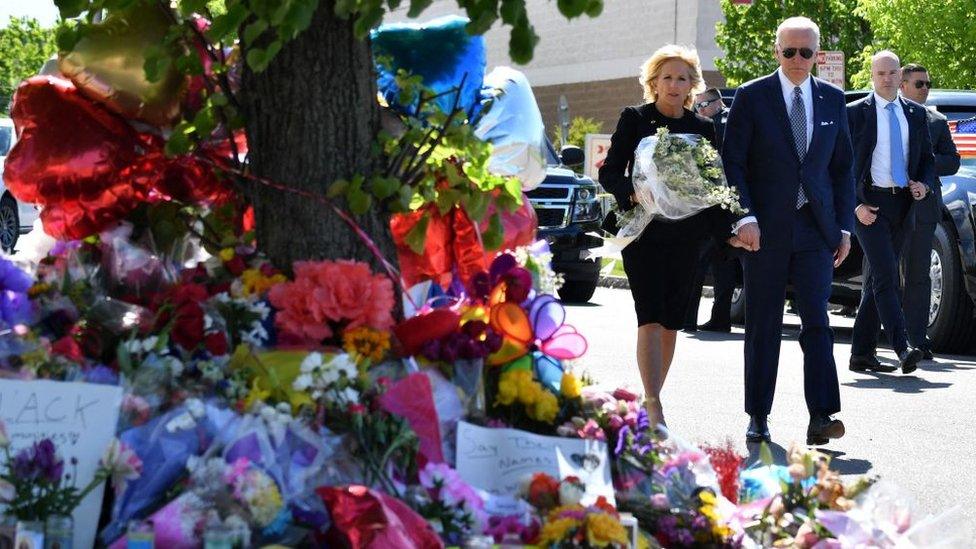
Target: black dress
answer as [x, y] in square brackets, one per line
[661, 263]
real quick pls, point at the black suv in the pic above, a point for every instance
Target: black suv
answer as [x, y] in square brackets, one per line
[952, 327]
[568, 207]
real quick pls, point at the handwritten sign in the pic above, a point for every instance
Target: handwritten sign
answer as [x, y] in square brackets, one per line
[497, 460]
[595, 150]
[80, 418]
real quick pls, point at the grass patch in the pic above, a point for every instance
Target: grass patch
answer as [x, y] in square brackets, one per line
[618, 266]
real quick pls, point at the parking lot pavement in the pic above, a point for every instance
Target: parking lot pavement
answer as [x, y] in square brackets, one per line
[917, 430]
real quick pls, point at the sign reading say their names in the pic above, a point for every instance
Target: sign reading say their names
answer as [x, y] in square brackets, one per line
[79, 418]
[497, 460]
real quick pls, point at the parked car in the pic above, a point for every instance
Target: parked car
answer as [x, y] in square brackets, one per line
[952, 327]
[568, 207]
[16, 218]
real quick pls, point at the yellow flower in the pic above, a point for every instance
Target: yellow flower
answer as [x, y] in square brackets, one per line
[226, 254]
[366, 342]
[256, 394]
[570, 386]
[557, 530]
[545, 408]
[603, 530]
[507, 391]
[38, 289]
[255, 283]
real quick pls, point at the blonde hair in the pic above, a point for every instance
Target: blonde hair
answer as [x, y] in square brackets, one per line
[652, 68]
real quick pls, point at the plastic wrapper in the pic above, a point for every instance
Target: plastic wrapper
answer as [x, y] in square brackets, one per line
[513, 125]
[441, 52]
[670, 184]
[412, 399]
[164, 445]
[886, 516]
[366, 519]
[448, 403]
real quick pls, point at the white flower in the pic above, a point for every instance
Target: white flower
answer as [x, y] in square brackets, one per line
[344, 364]
[149, 344]
[181, 422]
[121, 463]
[347, 395]
[174, 364]
[208, 322]
[302, 382]
[570, 493]
[312, 362]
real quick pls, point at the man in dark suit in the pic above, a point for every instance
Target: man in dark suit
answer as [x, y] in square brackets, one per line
[916, 266]
[724, 269]
[893, 167]
[788, 152]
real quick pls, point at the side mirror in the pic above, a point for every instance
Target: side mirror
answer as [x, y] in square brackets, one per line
[572, 155]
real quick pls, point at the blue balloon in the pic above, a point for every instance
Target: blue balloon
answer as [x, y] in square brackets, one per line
[441, 52]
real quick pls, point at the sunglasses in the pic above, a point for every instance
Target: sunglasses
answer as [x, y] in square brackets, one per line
[805, 53]
[919, 84]
[705, 104]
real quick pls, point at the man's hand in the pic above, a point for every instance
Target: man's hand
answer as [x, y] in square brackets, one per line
[844, 248]
[866, 214]
[749, 236]
[919, 190]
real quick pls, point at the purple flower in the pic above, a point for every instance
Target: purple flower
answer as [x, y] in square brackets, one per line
[39, 462]
[622, 436]
[643, 423]
[102, 375]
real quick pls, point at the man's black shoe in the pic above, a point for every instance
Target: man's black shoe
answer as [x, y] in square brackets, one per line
[869, 363]
[758, 430]
[715, 327]
[927, 354]
[690, 328]
[908, 359]
[822, 428]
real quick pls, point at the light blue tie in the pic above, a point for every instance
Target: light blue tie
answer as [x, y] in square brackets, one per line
[898, 172]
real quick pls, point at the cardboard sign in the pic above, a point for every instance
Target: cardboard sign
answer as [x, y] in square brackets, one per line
[497, 460]
[80, 418]
[830, 67]
[595, 152]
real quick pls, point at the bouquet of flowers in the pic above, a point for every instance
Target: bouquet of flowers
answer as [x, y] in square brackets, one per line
[675, 176]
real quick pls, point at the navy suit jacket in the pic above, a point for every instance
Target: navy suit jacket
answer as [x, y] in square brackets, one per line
[762, 163]
[863, 119]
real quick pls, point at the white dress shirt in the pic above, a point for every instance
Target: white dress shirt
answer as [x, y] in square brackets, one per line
[881, 157]
[806, 88]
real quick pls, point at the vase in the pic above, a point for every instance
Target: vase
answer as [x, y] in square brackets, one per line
[140, 535]
[59, 530]
[469, 376]
[30, 534]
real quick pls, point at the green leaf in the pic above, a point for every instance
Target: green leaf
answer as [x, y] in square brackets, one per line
[189, 7]
[71, 8]
[228, 23]
[218, 99]
[417, 7]
[189, 64]
[67, 38]
[417, 235]
[477, 205]
[205, 121]
[522, 42]
[595, 8]
[337, 188]
[359, 201]
[254, 30]
[123, 357]
[494, 236]
[384, 187]
[573, 8]
[765, 454]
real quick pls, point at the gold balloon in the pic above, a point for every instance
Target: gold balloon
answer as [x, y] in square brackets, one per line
[107, 65]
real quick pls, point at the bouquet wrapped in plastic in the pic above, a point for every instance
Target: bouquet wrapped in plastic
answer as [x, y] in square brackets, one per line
[675, 176]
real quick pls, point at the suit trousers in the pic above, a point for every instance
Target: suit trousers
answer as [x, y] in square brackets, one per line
[882, 242]
[807, 263]
[917, 292]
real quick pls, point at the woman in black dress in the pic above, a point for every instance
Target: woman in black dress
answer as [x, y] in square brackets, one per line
[661, 263]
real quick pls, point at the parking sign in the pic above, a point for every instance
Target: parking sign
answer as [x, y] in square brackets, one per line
[830, 67]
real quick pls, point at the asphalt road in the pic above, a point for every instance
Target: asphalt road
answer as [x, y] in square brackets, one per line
[917, 430]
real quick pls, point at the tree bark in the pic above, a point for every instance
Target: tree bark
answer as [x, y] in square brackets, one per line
[312, 118]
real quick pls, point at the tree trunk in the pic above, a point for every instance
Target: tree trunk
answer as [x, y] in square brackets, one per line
[312, 118]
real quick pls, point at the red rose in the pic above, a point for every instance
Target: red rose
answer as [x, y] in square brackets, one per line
[216, 343]
[236, 266]
[356, 408]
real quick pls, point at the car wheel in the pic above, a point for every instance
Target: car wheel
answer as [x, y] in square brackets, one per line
[737, 313]
[9, 224]
[951, 326]
[577, 291]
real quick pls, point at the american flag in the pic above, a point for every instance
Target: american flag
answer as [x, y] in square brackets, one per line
[964, 135]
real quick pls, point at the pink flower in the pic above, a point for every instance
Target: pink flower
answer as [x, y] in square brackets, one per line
[660, 501]
[325, 294]
[121, 463]
[592, 430]
[624, 394]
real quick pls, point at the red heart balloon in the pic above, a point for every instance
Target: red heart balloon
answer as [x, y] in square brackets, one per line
[67, 159]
